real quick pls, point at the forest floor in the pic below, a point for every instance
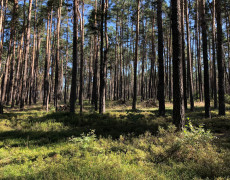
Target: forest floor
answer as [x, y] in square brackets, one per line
[121, 144]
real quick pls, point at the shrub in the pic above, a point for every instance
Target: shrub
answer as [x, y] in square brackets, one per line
[227, 98]
[85, 140]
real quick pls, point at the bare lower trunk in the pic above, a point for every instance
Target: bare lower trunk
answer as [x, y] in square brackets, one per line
[27, 45]
[220, 59]
[178, 106]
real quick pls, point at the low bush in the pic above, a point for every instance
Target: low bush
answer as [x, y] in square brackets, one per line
[227, 98]
[133, 145]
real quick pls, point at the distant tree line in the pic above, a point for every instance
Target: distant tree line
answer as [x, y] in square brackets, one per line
[58, 51]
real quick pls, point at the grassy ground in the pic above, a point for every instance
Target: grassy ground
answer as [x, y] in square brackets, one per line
[118, 145]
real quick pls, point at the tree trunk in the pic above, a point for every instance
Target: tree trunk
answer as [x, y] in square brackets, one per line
[134, 107]
[33, 56]
[12, 76]
[18, 70]
[220, 59]
[205, 58]
[27, 46]
[102, 64]
[82, 59]
[160, 94]
[47, 63]
[9, 55]
[183, 55]
[57, 90]
[214, 53]
[198, 52]
[95, 73]
[90, 68]
[67, 57]
[189, 60]
[73, 96]
[178, 106]
[35, 88]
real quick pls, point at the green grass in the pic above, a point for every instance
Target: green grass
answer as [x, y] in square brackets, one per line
[121, 144]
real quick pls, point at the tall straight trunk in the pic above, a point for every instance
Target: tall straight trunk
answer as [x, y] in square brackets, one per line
[152, 59]
[1, 14]
[33, 55]
[196, 63]
[27, 46]
[82, 59]
[19, 93]
[205, 59]
[60, 77]
[143, 64]
[228, 45]
[106, 52]
[178, 106]
[35, 85]
[220, 59]
[47, 63]
[198, 52]
[2, 24]
[121, 57]
[73, 95]
[134, 107]
[18, 70]
[3, 17]
[12, 76]
[170, 66]
[214, 53]
[117, 57]
[90, 69]
[160, 94]
[9, 55]
[102, 63]
[183, 55]
[67, 57]
[116, 64]
[57, 90]
[53, 59]
[189, 60]
[95, 73]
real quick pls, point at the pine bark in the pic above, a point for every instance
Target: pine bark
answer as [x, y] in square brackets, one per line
[134, 107]
[95, 72]
[9, 54]
[33, 55]
[220, 59]
[189, 59]
[67, 60]
[183, 55]
[57, 89]
[214, 53]
[161, 87]
[178, 103]
[73, 95]
[82, 59]
[27, 46]
[102, 63]
[205, 59]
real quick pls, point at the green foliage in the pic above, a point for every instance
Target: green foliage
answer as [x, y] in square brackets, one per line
[84, 140]
[123, 145]
[227, 98]
[195, 135]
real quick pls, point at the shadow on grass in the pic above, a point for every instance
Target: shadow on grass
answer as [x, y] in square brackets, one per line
[135, 123]
[104, 125]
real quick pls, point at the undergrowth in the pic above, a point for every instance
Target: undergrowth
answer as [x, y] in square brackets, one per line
[127, 145]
